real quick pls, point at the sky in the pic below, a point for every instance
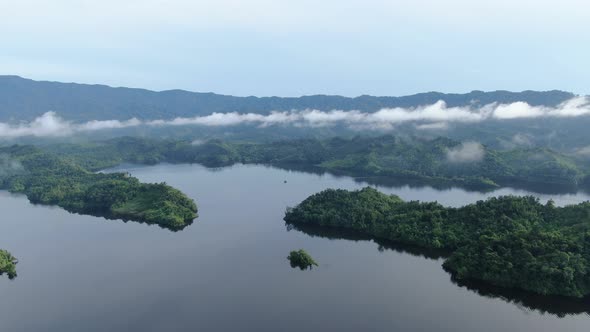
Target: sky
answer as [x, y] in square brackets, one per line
[293, 48]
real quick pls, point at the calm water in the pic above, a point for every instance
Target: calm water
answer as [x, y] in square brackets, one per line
[228, 271]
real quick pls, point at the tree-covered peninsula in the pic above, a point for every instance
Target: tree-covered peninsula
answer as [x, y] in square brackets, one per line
[46, 178]
[508, 241]
[437, 162]
[7, 264]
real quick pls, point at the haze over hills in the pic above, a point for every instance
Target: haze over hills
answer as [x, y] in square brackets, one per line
[25, 99]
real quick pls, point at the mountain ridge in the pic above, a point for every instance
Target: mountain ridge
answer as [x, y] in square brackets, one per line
[26, 99]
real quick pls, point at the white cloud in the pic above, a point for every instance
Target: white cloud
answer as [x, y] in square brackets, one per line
[577, 106]
[9, 166]
[467, 152]
[50, 124]
[435, 116]
[197, 142]
[522, 139]
[108, 124]
[584, 151]
[47, 124]
[433, 126]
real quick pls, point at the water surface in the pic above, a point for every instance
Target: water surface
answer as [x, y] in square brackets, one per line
[228, 270]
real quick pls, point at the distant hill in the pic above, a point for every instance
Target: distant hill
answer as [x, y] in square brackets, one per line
[25, 99]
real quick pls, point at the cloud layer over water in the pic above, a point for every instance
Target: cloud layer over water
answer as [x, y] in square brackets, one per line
[435, 116]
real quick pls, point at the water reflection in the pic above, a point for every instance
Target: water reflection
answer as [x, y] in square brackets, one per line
[383, 245]
[439, 184]
[10, 276]
[555, 305]
[107, 215]
[232, 263]
[546, 304]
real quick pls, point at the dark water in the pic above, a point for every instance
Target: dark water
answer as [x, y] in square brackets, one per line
[228, 271]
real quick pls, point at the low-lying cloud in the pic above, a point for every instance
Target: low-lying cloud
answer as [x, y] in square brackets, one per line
[435, 116]
[9, 166]
[467, 152]
[522, 140]
[198, 142]
[583, 151]
[433, 126]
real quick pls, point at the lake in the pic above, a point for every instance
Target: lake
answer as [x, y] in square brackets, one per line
[228, 270]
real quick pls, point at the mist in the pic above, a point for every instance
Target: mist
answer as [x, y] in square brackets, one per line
[467, 152]
[583, 151]
[9, 166]
[428, 117]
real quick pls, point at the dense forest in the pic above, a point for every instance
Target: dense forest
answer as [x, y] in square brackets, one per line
[509, 241]
[439, 161]
[46, 178]
[7, 264]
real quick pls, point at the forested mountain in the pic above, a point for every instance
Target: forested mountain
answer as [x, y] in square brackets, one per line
[25, 99]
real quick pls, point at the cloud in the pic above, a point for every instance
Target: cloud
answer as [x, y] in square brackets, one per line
[434, 116]
[108, 124]
[522, 139]
[50, 124]
[47, 124]
[574, 107]
[197, 142]
[467, 152]
[433, 126]
[9, 166]
[584, 151]
[230, 119]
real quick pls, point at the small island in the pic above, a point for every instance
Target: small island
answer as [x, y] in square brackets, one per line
[510, 241]
[7, 264]
[301, 259]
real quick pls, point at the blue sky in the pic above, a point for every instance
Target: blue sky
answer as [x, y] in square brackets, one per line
[292, 48]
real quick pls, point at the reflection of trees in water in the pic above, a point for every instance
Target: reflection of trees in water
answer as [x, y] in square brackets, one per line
[168, 227]
[439, 184]
[383, 245]
[555, 305]
[108, 216]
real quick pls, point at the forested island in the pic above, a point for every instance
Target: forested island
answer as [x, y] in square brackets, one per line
[7, 264]
[46, 178]
[509, 241]
[436, 162]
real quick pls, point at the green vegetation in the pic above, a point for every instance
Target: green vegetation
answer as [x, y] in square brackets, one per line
[7, 264]
[507, 241]
[384, 158]
[301, 259]
[52, 180]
